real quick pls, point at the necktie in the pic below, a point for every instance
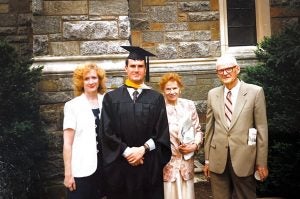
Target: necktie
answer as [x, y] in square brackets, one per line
[228, 108]
[135, 95]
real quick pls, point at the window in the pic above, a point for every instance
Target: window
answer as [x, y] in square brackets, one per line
[243, 24]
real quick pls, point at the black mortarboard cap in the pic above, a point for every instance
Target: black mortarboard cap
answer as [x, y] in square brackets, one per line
[137, 53]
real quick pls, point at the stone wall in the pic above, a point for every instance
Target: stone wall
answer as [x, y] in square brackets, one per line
[284, 12]
[15, 25]
[176, 29]
[72, 28]
[60, 34]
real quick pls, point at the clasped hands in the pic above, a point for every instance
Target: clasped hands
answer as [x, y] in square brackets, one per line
[187, 148]
[135, 155]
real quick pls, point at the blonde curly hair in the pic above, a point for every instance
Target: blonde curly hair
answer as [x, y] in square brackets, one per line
[81, 71]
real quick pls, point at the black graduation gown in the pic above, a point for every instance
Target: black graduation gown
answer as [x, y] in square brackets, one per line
[128, 124]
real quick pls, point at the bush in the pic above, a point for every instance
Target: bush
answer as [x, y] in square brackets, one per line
[22, 140]
[278, 73]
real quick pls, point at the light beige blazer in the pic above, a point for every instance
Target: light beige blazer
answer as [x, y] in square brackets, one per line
[249, 112]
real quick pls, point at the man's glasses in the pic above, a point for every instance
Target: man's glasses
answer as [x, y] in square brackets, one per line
[228, 70]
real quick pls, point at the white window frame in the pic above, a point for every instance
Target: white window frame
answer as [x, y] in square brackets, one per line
[263, 28]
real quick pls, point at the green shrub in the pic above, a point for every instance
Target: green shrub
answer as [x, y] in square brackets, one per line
[22, 140]
[278, 73]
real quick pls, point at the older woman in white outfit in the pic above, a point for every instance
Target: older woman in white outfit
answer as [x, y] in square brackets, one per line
[186, 137]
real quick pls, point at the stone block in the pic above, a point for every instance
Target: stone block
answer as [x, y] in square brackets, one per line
[52, 119]
[8, 30]
[279, 23]
[148, 45]
[204, 35]
[157, 37]
[24, 19]
[65, 7]
[55, 97]
[166, 14]
[154, 2]
[24, 30]
[194, 6]
[17, 6]
[193, 49]
[114, 82]
[167, 51]
[214, 48]
[215, 32]
[10, 19]
[204, 25]
[139, 21]
[55, 37]
[17, 38]
[179, 36]
[136, 37]
[102, 47]
[181, 26]
[40, 45]
[214, 5]
[108, 7]
[56, 84]
[67, 48]
[189, 80]
[157, 26]
[37, 7]
[4, 8]
[48, 85]
[284, 12]
[75, 18]
[46, 25]
[203, 16]
[182, 17]
[124, 27]
[90, 30]
[192, 93]
[135, 6]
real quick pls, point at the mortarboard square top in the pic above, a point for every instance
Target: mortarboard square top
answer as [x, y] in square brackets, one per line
[137, 53]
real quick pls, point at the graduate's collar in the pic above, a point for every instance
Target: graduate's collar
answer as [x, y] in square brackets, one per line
[131, 84]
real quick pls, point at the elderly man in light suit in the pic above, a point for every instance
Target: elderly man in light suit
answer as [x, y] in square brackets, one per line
[232, 154]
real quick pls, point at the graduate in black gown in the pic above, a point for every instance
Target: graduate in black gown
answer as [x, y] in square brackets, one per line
[135, 134]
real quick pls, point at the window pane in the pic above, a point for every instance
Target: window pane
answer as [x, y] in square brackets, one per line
[241, 36]
[241, 22]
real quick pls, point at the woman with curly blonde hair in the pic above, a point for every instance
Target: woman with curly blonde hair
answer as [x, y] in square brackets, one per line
[81, 152]
[185, 136]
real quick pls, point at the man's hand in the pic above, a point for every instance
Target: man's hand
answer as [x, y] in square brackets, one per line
[206, 171]
[135, 157]
[263, 172]
[69, 182]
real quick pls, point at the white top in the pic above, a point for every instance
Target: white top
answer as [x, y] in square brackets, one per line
[78, 116]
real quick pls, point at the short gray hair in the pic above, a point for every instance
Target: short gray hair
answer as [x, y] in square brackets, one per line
[226, 60]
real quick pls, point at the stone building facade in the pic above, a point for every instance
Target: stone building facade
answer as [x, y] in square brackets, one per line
[186, 35]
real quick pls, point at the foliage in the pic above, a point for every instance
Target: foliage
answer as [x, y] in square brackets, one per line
[278, 72]
[22, 140]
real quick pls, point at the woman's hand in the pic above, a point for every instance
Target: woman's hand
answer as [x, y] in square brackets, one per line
[69, 182]
[187, 148]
